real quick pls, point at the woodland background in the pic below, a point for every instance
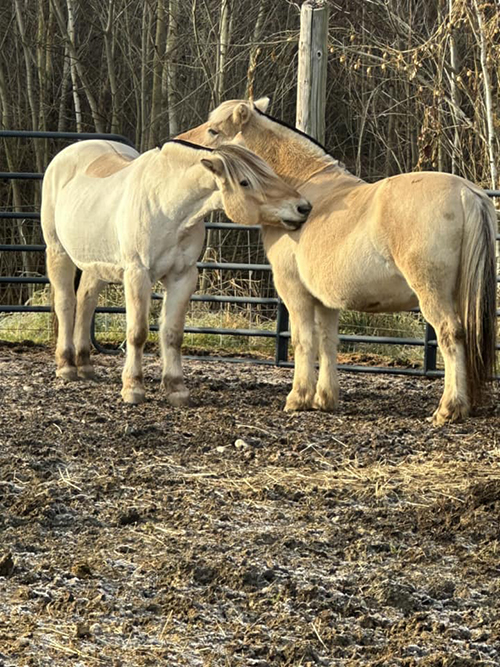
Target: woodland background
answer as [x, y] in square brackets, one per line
[411, 85]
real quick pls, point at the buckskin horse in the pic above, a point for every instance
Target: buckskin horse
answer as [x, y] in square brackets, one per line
[423, 238]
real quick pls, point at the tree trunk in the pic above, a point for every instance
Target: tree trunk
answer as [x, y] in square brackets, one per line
[224, 40]
[77, 71]
[110, 62]
[156, 98]
[170, 93]
[255, 50]
[145, 65]
[454, 92]
[488, 102]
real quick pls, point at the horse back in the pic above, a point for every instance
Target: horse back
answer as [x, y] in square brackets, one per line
[95, 157]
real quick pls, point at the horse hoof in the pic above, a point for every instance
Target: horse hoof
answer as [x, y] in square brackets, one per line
[325, 402]
[451, 414]
[86, 373]
[68, 373]
[133, 396]
[178, 399]
[295, 403]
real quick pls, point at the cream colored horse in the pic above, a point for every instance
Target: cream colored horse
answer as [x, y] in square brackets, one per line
[420, 238]
[124, 217]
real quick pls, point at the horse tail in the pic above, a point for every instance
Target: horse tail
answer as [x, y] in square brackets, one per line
[477, 290]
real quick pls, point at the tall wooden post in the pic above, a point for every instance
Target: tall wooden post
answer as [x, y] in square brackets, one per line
[313, 53]
[311, 104]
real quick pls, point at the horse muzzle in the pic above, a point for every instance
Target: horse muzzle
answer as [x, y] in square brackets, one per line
[303, 210]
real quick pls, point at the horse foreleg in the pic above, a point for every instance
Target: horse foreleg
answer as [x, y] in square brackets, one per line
[86, 302]
[137, 302]
[61, 273]
[327, 389]
[178, 291]
[300, 306]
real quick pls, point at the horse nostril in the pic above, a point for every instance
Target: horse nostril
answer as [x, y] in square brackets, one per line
[304, 209]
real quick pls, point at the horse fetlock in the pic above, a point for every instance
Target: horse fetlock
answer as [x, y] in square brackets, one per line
[133, 389]
[179, 399]
[86, 372]
[66, 372]
[133, 394]
[299, 400]
[177, 393]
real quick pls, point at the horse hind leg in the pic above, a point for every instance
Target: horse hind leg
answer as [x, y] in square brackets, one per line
[61, 272]
[86, 301]
[455, 402]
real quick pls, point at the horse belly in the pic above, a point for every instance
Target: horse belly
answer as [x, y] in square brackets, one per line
[366, 283]
[383, 297]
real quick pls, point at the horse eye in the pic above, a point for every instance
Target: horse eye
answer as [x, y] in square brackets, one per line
[214, 133]
[244, 184]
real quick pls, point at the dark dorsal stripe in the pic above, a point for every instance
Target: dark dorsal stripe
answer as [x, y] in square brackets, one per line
[290, 127]
[189, 144]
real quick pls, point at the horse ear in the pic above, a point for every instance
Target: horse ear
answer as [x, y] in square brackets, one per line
[239, 140]
[262, 104]
[214, 164]
[241, 114]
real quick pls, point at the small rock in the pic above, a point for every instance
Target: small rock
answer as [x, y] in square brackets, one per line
[6, 565]
[241, 444]
[220, 449]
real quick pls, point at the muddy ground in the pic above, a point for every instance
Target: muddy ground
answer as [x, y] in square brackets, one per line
[231, 533]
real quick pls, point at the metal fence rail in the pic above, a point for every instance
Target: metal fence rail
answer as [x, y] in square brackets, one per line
[281, 334]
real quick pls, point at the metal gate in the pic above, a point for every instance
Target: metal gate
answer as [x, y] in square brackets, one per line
[281, 334]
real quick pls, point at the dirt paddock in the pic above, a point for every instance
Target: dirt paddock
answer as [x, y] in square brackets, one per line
[231, 533]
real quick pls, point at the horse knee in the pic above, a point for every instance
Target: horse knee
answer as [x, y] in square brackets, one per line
[137, 335]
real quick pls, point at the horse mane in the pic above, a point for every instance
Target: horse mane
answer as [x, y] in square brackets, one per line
[242, 164]
[189, 144]
[224, 111]
[239, 162]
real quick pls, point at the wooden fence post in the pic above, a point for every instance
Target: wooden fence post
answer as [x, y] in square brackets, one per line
[311, 104]
[311, 83]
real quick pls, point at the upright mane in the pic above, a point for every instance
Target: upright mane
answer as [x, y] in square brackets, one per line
[188, 144]
[225, 110]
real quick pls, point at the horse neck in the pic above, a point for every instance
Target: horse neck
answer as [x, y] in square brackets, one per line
[178, 180]
[293, 157]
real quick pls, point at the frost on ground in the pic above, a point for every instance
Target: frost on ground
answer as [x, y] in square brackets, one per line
[231, 533]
